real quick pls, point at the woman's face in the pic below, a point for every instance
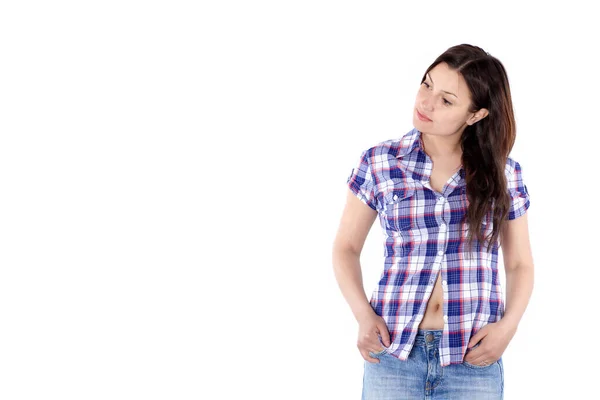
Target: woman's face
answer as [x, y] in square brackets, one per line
[444, 99]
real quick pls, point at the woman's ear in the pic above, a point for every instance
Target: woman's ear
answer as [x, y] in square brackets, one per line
[479, 115]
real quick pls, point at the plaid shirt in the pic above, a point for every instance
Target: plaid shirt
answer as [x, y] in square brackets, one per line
[423, 236]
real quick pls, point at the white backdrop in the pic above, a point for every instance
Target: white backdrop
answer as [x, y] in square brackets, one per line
[173, 174]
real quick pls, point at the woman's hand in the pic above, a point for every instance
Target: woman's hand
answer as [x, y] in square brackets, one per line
[369, 327]
[493, 339]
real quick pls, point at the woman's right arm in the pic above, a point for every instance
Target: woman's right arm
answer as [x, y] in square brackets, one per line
[356, 222]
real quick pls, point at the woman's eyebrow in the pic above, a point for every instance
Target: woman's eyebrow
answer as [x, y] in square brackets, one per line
[442, 90]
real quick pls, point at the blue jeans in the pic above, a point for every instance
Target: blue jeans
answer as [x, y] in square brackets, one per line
[422, 377]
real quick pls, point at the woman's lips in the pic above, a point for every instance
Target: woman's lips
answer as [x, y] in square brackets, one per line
[422, 117]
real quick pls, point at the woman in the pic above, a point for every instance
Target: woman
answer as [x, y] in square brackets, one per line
[447, 196]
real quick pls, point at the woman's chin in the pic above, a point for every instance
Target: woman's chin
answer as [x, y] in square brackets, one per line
[417, 123]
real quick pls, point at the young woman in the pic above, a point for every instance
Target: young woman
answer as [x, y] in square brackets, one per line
[447, 195]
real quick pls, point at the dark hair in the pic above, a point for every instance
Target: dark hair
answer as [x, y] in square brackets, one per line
[487, 143]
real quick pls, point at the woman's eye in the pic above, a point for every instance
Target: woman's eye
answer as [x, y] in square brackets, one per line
[445, 101]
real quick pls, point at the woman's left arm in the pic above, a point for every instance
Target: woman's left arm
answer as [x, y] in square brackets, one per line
[518, 266]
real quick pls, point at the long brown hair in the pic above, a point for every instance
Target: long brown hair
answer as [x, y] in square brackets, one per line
[487, 143]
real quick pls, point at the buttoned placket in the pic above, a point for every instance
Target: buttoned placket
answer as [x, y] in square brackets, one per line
[440, 209]
[443, 240]
[442, 202]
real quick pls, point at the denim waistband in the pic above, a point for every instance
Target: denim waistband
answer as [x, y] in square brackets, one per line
[421, 336]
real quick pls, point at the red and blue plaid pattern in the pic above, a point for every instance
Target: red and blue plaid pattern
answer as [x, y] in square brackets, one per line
[424, 236]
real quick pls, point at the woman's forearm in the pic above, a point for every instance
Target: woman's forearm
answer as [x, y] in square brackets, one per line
[519, 286]
[347, 270]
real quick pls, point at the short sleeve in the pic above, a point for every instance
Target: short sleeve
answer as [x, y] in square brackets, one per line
[361, 181]
[518, 192]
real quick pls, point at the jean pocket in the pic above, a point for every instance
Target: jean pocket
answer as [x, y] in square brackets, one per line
[379, 353]
[467, 364]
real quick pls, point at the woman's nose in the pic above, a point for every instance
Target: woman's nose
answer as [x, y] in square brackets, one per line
[427, 104]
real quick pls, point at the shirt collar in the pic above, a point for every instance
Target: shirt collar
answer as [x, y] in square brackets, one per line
[409, 143]
[412, 141]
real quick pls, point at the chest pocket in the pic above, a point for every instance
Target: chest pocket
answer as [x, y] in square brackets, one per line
[399, 209]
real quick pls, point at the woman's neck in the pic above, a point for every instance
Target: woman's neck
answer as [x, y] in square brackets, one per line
[437, 146]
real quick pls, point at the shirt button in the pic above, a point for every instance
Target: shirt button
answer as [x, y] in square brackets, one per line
[440, 199]
[443, 282]
[445, 318]
[440, 253]
[443, 226]
[395, 197]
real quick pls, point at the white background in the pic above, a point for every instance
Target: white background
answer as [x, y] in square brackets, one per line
[172, 175]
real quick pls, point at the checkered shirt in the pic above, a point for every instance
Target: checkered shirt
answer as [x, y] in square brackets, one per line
[423, 236]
